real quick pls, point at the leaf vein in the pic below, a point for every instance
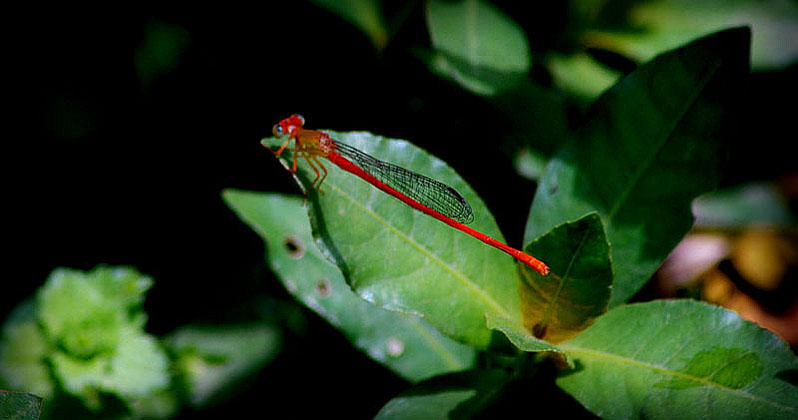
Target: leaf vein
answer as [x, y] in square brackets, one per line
[456, 273]
[597, 354]
[641, 169]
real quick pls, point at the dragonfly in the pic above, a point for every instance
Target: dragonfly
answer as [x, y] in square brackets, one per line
[420, 192]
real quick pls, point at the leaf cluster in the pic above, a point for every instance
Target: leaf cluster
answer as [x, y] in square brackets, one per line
[613, 201]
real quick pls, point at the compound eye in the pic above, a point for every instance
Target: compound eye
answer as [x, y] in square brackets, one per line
[277, 130]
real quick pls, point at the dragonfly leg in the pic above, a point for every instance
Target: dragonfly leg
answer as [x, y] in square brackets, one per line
[294, 155]
[280, 150]
[323, 169]
[310, 160]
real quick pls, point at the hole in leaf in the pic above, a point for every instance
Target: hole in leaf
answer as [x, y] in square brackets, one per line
[294, 247]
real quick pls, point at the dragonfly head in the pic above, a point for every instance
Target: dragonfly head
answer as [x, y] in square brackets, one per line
[288, 125]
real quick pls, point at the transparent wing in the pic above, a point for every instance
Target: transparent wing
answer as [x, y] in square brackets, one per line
[427, 191]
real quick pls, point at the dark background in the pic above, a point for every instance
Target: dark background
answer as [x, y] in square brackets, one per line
[105, 166]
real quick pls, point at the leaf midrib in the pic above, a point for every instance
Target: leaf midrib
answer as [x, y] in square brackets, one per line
[550, 308]
[600, 355]
[470, 284]
[643, 168]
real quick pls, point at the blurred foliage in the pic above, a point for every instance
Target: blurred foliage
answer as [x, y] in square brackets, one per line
[654, 26]
[160, 51]
[83, 338]
[476, 45]
[365, 14]
[753, 204]
[212, 359]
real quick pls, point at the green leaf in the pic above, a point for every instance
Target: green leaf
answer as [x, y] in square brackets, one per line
[366, 15]
[581, 75]
[680, 359]
[404, 343]
[477, 45]
[211, 359]
[665, 24]
[19, 406]
[558, 306]
[23, 348]
[650, 146]
[161, 405]
[524, 340]
[84, 312]
[529, 164]
[455, 396]
[138, 368]
[403, 260]
[744, 205]
[94, 324]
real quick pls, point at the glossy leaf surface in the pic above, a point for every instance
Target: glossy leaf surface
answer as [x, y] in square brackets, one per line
[403, 260]
[404, 343]
[680, 359]
[648, 147]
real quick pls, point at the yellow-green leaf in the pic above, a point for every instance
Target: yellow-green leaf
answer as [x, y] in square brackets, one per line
[558, 306]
